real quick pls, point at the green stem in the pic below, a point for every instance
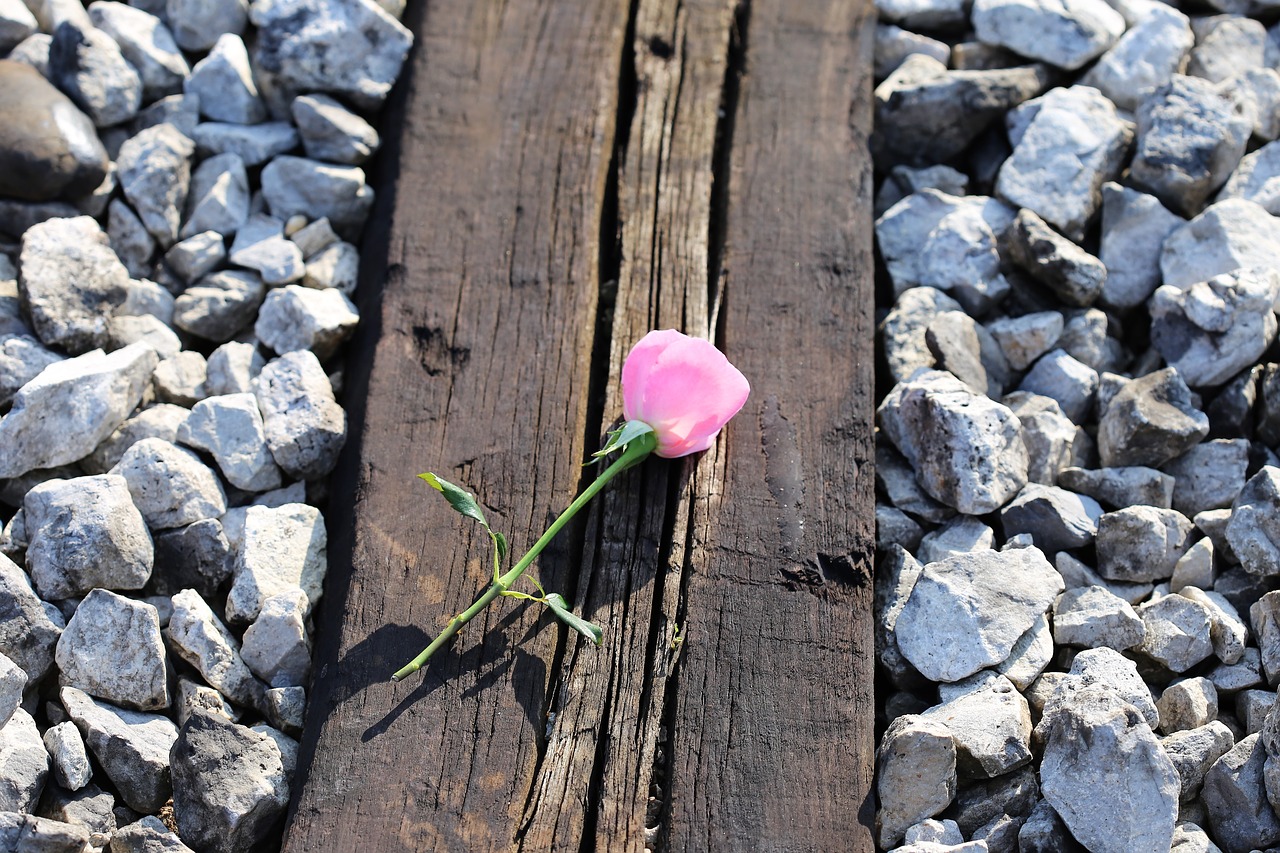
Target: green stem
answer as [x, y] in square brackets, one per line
[634, 453]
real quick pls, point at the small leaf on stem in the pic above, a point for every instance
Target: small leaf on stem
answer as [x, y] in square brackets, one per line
[458, 497]
[560, 608]
[622, 436]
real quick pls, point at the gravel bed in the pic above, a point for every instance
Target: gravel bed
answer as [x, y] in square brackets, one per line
[1078, 505]
[181, 191]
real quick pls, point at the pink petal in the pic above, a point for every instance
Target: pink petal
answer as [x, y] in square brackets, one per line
[683, 387]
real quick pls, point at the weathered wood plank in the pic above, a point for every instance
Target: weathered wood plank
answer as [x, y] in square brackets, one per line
[597, 777]
[773, 734]
[479, 349]
[751, 728]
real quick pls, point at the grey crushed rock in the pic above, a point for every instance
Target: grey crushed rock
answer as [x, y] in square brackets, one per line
[85, 533]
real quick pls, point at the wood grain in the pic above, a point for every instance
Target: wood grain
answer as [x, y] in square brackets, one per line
[774, 704]
[480, 360]
[730, 706]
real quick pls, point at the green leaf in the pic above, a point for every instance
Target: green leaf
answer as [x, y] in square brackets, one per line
[460, 499]
[622, 436]
[500, 542]
[560, 608]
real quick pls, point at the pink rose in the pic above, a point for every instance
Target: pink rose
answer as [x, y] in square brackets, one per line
[683, 387]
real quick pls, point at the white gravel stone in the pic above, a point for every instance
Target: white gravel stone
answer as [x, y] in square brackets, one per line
[283, 548]
[916, 775]
[88, 66]
[85, 533]
[1145, 58]
[197, 24]
[1010, 589]
[1141, 543]
[24, 764]
[230, 785]
[132, 747]
[179, 379]
[129, 238]
[230, 428]
[1047, 433]
[1071, 143]
[126, 329]
[170, 485]
[1253, 531]
[223, 81]
[1105, 774]
[904, 331]
[300, 318]
[895, 576]
[276, 647]
[990, 723]
[1230, 235]
[1178, 632]
[219, 305]
[1195, 567]
[1030, 655]
[1186, 704]
[112, 649]
[1150, 421]
[293, 185]
[961, 535]
[1118, 673]
[336, 266]
[30, 628]
[147, 297]
[197, 636]
[1257, 179]
[286, 709]
[260, 245]
[1235, 796]
[1025, 338]
[1065, 33]
[966, 449]
[332, 133]
[21, 359]
[197, 255]
[71, 282]
[1094, 617]
[219, 196]
[305, 426]
[1055, 518]
[1190, 137]
[148, 835]
[1209, 475]
[1194, 751]
[1071, 273]
[70, 761]
[192, 697]
[894, 44]
[254, 144]
[1226, 629]
[935, 240]
[314, 237]
[232, 368]
[13, 681]
[1134, 228]
[160, 421]
[350, 49]
[154, 169]
[146, 42]
[16, 24]
[1262, 87]
[1064, 379]
[1227, 48]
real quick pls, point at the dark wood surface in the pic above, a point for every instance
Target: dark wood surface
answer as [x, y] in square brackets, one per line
[516, 254]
